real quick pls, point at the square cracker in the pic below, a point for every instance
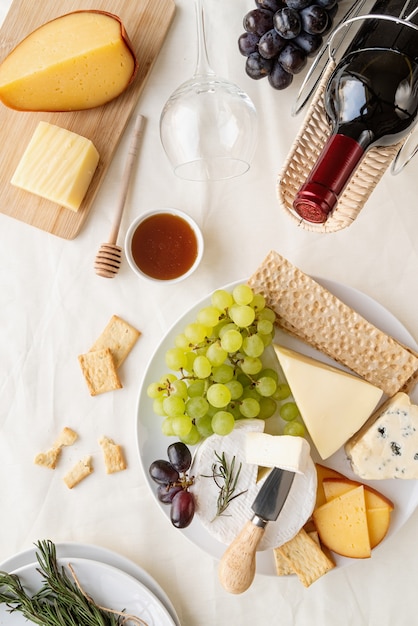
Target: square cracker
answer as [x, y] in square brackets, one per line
[99, 370]
[305, 557]
[120, 337]
[113, 455]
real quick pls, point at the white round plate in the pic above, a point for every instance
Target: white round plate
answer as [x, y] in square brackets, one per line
[109, 586]
[96, 553]
[152, 444]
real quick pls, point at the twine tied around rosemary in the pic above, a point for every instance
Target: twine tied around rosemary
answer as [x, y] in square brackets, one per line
[125, 616]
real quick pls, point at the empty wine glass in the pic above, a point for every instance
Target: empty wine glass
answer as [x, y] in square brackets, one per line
[208, 126]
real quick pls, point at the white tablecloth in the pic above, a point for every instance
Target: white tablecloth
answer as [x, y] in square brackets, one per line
[53, 307]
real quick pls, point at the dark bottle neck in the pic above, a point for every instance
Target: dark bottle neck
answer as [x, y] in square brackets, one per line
[378, 33]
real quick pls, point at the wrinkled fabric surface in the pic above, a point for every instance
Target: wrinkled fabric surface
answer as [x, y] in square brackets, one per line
[53, 306]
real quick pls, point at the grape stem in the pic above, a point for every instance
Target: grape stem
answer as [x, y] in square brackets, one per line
[185, 482]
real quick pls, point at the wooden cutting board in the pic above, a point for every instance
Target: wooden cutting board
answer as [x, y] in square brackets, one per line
[147, 23]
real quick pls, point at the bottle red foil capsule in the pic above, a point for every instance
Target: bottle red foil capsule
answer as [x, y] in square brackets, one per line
[319, 194]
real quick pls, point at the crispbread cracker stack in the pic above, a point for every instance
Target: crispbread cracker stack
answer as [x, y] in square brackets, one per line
[310, 312]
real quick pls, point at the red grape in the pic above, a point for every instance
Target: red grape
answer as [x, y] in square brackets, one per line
[163, 472]
[272, 5]
[258, 21]
[270, 44]
[166, 493]
[292, 58]
[179, 456]
[310, 44]
[278, 77]
[298, 5]
[287, 23]
[248, 43]
[257, 66]
[314, 19]
[182, 509]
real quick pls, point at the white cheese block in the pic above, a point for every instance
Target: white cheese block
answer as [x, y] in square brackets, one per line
[333, 404]
[284, 451]
[58, 165]
[294, 514]
[387, 447]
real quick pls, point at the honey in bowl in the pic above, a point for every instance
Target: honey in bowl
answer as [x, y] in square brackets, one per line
[164, 245]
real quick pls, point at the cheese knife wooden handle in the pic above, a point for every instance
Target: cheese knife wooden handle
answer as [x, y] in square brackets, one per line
[237, 566]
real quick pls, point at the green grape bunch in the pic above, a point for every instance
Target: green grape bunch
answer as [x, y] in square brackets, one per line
[217, 375]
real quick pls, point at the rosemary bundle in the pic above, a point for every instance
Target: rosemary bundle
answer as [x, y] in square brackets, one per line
[226, 480]
[60, 601]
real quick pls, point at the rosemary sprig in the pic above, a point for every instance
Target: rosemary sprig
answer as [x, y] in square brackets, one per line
[59, 602]
[226, 481]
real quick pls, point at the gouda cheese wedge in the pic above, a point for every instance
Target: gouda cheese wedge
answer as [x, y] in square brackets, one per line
[77, 61]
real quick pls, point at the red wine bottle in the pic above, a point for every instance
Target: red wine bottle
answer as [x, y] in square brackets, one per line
[371, 99]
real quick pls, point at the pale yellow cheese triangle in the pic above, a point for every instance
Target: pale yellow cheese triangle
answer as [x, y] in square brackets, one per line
[333, 404]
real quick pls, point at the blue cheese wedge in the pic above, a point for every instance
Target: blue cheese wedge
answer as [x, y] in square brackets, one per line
[334, 404]
[387, 446]
[224, 528]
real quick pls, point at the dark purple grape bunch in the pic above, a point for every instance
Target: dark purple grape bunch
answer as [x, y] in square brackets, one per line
[280, 36]
[173, 483]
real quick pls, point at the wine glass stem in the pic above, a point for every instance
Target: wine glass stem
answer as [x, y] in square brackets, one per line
[202, 64]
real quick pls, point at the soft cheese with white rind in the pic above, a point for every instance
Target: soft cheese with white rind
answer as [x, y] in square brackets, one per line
[388, 446]
[58, 165]
[284, 451]
[333, 403]
[296, 510]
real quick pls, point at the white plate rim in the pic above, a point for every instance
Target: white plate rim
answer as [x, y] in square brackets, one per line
[75, 550]
[371, 310]
[115, 579]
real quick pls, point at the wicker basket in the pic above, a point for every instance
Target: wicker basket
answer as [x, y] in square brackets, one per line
[303, 155]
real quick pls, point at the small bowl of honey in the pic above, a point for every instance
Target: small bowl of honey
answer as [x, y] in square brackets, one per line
[164, 245]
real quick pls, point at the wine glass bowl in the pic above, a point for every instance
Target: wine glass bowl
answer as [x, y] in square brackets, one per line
[208, 126]
[207, 129]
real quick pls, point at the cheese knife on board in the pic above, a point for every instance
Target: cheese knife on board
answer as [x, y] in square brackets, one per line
[237, 565]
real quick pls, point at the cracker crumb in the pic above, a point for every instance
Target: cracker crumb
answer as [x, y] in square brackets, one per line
[79, 471]
[50, 458]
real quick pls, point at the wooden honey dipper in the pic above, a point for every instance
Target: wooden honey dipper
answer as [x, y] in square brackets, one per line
[109, 257]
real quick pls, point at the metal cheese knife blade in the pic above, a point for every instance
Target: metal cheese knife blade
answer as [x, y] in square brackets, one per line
[237, 565]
